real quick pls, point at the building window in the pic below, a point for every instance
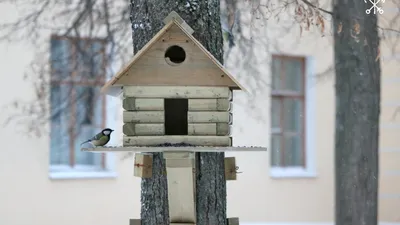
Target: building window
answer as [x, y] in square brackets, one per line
[288, 112]
[77, 109]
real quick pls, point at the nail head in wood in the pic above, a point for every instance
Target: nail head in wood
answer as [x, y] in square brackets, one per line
[135, 222]
[233, 221]
[143, 166]
[230, 168]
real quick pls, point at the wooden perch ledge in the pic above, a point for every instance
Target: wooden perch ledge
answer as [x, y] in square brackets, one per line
[174, 149]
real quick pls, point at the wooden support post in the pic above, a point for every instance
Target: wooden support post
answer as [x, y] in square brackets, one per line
[182, 224]
[232, 221]
[143, 166]
[135, 222]
[230, 168]
[181, 187]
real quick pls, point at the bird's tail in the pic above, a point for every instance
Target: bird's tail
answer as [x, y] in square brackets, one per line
[231, 40]
[85, 142]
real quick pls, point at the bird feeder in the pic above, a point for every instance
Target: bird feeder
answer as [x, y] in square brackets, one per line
[177, 99]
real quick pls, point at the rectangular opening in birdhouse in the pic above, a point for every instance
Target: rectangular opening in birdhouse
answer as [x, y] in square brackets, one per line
[176, 116]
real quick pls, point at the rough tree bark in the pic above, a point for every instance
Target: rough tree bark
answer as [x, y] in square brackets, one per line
[357, 112]
[204, 17]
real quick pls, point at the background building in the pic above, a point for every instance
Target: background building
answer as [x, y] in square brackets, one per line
[293, 183]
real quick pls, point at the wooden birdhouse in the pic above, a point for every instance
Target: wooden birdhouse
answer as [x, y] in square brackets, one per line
[177, 99]
[175, 91]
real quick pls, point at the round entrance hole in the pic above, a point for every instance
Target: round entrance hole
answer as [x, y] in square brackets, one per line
[175, 55]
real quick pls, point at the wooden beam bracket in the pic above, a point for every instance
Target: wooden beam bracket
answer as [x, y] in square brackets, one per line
[232, 221]
[143, 166]
[135, 222]
[182, 224]
[231, 170]
[181, 187]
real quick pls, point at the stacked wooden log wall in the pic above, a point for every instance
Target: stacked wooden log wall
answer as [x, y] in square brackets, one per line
[209, 115]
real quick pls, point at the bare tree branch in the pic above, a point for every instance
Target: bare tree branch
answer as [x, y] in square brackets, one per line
[316, 7]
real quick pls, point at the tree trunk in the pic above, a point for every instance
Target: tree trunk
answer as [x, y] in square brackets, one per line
[357, 112]
[204, 17]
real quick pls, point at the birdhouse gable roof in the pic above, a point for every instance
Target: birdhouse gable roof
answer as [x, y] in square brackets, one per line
[151, 65]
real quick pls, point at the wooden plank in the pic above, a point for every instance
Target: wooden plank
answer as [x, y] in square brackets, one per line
[135, 222]
[216, 104]
[143, 166]
[209, 117]
[143, 104]
[182, 223]
[174, 149]
[223, 129]
[143, 116]
[178, 155]
[143, 129]
[176, 92]
[178, 163]
[179, 159]
[232, 221]
[192, 140]
[181, 189]
[213, 129]
[157, 104]
[230, 168]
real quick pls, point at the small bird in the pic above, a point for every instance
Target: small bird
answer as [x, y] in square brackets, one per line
[228, 36]
[101, 138]
[228, 22]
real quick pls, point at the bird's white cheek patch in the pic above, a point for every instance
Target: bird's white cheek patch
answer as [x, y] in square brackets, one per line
[107, 132]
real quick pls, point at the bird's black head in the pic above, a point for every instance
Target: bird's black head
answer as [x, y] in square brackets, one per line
[107, 131]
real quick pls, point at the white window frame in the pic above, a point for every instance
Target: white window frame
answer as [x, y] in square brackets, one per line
[310, 170]
[93, 172]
